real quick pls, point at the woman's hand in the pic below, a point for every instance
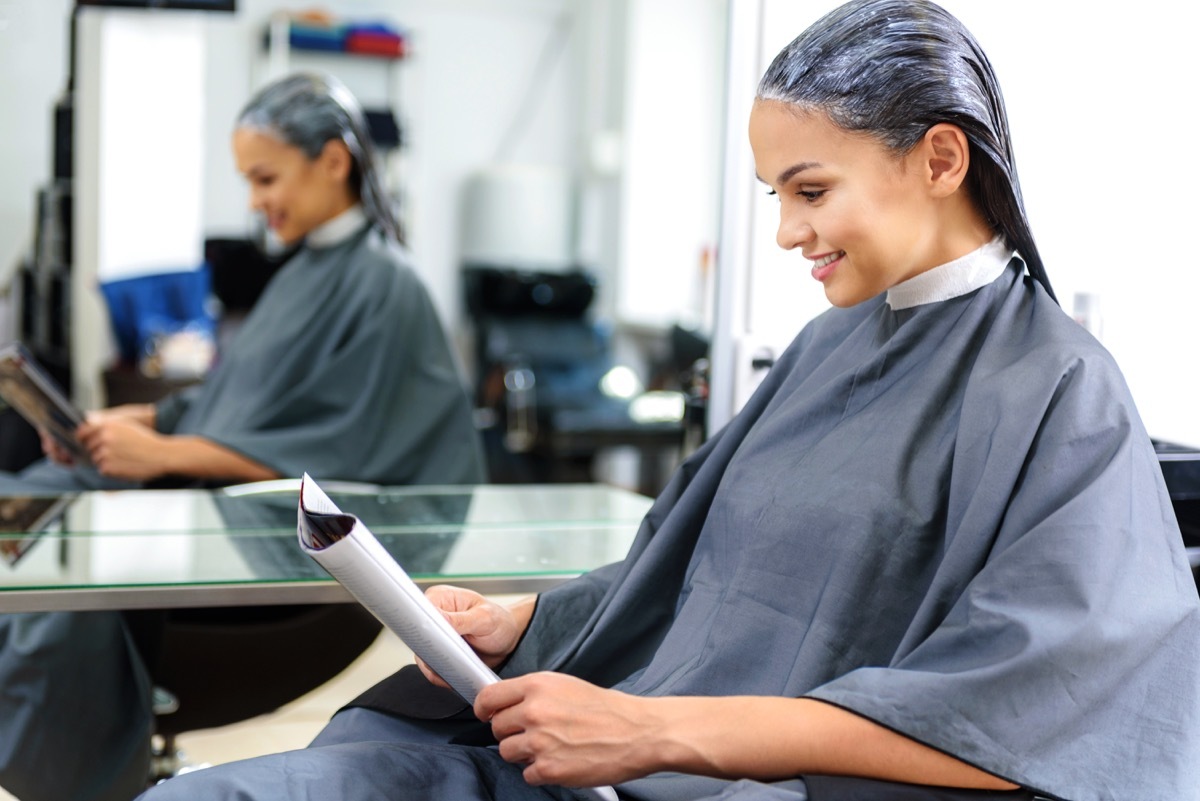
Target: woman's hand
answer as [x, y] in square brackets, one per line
[140, 413]
[492, 630]
[120, 446]
[566, 731]
[569, 732]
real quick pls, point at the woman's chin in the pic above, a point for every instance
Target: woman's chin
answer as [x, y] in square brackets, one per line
[844, 296]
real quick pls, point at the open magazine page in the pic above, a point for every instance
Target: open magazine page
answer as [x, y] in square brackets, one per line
[352, 555]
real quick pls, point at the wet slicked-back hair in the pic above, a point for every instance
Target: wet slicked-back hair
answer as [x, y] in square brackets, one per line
[307, 110]
[894, 69]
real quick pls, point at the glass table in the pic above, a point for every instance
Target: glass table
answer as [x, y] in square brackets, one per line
[237, 546]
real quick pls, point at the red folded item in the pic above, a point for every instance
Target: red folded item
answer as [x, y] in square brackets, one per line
[376, 44]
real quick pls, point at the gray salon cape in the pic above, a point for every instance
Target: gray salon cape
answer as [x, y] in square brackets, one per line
[341, 370]
[948, 519]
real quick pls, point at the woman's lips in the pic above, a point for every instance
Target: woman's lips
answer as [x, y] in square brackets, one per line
[825, 265]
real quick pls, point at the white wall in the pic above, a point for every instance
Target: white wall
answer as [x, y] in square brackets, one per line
[1107, 171]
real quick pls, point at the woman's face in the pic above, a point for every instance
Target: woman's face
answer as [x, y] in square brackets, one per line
[860, 213]
[293, 192]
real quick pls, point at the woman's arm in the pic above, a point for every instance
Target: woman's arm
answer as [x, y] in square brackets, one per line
[198, 457]
[784, 737]
[567, 731]
[123, 446]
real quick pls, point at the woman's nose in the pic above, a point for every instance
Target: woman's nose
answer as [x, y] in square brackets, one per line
[793, 233]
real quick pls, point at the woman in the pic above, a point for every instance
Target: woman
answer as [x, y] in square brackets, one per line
[341, 369]
[933, 556]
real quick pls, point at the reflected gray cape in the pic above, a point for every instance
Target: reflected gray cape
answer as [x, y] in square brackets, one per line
[948, 519]
[342, 370]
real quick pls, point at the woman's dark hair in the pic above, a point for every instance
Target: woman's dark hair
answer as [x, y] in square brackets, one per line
[894, 69]
[307, 110]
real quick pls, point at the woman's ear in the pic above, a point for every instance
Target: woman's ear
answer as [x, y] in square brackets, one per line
[947, 156]
[336, 160]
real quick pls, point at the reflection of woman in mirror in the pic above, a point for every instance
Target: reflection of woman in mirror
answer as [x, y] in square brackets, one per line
[341, 369]
[932, 558]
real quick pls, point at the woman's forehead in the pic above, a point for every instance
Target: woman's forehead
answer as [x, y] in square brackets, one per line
[783, 133]
[254, 146]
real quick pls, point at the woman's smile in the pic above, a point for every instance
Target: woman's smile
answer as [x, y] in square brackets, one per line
[823, 266]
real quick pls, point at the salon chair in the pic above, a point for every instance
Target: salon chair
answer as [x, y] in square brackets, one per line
[541, 366]
[217, 666]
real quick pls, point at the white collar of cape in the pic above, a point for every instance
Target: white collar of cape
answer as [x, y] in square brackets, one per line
[338, 229]
[950, 280]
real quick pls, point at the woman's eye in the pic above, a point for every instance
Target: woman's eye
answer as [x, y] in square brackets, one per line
[772, 193]
[812, 195]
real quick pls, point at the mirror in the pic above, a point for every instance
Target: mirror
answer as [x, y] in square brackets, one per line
[560, 83]
[620, 102]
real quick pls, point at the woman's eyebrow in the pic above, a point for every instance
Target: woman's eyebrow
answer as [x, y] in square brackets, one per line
[790, 172]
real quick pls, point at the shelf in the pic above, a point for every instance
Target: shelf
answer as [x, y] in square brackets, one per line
[374, 41]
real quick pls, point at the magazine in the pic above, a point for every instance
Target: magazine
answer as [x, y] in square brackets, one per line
[29, 389]
[351, 554]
